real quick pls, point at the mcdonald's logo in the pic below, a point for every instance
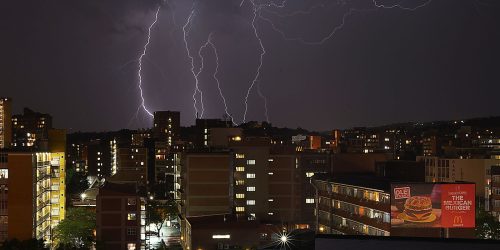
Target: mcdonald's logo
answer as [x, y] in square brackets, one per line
[458, 220]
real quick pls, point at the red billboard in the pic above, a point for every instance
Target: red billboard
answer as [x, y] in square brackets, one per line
[433, 205]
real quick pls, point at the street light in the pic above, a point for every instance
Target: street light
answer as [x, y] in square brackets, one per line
[284, 239]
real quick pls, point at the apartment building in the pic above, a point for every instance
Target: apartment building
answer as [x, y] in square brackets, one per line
[121, 217]
[352, 205]
[32, 196]
[5, 122]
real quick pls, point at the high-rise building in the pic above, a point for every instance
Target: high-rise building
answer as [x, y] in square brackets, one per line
[30, 129]
[266, 182]
[5, 122]
[35, 202]
[206, 186]
[167, 126]
[131, 166]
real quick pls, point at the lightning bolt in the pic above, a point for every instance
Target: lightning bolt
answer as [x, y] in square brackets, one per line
[139, 72]
[256, 9]
[257, 14]
[217, 79]
[399, 6]
[336, 28]
[195, 75]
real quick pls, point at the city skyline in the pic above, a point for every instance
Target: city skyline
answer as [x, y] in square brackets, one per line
[83, 64]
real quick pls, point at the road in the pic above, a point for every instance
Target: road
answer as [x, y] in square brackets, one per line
[170, 235]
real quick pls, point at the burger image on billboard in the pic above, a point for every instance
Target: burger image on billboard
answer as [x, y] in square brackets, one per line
[439, 205]
[418, 209]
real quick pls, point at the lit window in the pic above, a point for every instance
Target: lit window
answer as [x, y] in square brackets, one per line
[240, 169]
[240, 196]
[131, 246]
[310, 200]
[240, 209]
[240, 156]
[309, 174]
[251, 202]
[221, 236]
[251, 189]
[270, 160]
[386, 139]
[270, 173]
[142, 163]
[131, 216]
[270, 200]
[270, 213]
[4, 173]
[250, 176]
[250, 162]
[240, 182]
[131, 201]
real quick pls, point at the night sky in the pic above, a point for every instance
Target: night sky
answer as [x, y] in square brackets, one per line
[77, 60]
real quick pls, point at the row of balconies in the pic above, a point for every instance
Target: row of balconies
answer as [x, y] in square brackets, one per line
[358, 201]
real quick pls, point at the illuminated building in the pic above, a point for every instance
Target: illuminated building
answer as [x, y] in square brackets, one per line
[30, 129]
[361, 205]
[354, 206]
[121, 217]
[483, 172]
[163, 166]
[494, 186]
[310, 164]
[204, 133]
[58, 188]
[36, 194]
[138, 137]
[132, 164]
[98, 158]
[5, 122]
[266, 182]
[166, 126]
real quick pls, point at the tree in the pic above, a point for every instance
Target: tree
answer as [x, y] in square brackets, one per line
[159, 212]
[487, 226]
[15, 244]
[76, 182]
[76, 231]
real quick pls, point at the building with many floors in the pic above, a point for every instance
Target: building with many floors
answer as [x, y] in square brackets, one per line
[5, 122]
[30, 129]
[32, 196]
[121, 217]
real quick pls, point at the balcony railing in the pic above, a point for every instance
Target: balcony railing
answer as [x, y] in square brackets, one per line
[386, 207]
[377, 223]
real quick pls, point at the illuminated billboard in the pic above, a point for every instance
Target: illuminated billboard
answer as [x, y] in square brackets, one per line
[433, 205]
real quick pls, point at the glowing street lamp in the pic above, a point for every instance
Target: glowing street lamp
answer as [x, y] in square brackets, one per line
[284, 239]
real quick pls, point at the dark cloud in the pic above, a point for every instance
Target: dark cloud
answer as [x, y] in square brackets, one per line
[75, 60]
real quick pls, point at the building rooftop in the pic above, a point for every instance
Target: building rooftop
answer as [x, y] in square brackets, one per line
[367, 181]
[111, 187]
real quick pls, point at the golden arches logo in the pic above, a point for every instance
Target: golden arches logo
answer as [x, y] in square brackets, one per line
[458, 220]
